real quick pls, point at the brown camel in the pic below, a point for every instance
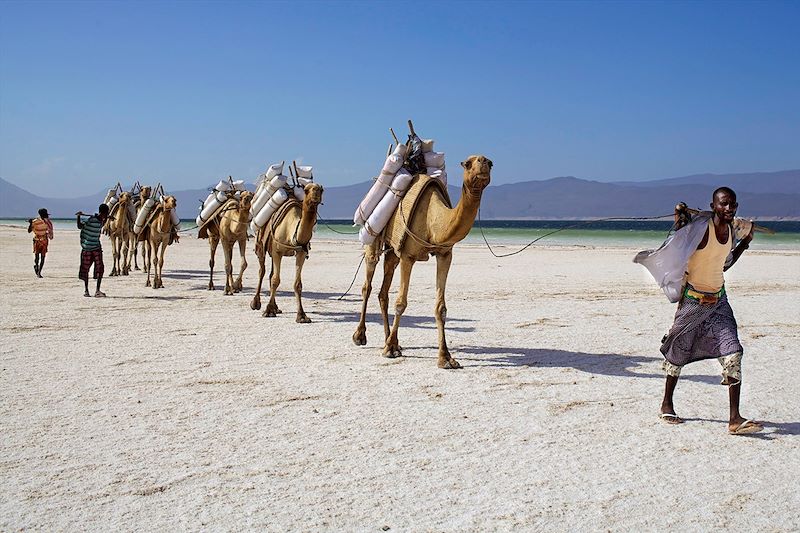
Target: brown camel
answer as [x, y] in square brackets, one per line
[229, 226]
[288, 232]
[433, 229]
[159, 235]
[120, 228]
[144, 194]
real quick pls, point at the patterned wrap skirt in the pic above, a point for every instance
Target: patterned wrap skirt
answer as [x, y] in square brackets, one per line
[701, 331]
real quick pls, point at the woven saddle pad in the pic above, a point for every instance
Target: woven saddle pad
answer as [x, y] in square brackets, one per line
[396, 232]
[277, 217]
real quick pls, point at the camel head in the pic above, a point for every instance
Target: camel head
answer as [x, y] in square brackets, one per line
[124, 198]
[477, 174]
[245, 200]
[313, 195]
[169, 203]
[144, 193]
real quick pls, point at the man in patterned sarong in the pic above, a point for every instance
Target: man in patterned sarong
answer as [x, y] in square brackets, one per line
[689, 267]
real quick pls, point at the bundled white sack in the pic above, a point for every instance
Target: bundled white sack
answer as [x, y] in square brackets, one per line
[381, 185]
[305, 172]
[111, 197]
[238, 185]
[277, 199]
[270, 187]
[434, 159]
[385, 208]
[144, 212]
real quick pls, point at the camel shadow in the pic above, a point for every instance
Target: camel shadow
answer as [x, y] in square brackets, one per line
[408, 321]
[606, 364]
[186, 274]
[156, 297]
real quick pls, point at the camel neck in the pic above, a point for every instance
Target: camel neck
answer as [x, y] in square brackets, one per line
[460, 219]
[308, 219]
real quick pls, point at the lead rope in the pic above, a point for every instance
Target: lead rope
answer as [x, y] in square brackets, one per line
[571, 226]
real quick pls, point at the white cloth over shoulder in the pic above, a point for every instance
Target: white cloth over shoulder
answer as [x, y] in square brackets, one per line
[668, 264]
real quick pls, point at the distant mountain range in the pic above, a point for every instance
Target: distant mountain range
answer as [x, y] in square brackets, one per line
[764, 195]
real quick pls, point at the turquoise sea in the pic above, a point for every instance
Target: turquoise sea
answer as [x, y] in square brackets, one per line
[616, 234]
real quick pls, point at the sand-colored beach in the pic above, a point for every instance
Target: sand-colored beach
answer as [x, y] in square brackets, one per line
[183, 409]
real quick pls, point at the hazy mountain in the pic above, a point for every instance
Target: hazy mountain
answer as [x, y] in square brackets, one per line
[762, 195]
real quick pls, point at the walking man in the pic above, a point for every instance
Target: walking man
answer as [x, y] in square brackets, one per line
[91, 250]
[690, 268]
[42, 229]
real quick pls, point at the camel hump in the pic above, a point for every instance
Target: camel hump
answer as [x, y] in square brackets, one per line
[396, 230]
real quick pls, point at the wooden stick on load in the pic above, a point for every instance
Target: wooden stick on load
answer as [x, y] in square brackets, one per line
[296, 173]
[756, 227]
[394, 137]
[411, 127]
[390, 150]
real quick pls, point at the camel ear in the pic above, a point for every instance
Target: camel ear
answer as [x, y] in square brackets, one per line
[467, 164]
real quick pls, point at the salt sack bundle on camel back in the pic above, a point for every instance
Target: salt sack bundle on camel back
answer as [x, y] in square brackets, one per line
[284, 216]
[224, 216]
[119, 228]
[156, 226]
[407, 217]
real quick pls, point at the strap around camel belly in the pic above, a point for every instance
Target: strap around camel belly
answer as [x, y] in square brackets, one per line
[397, 230]
[275, 220]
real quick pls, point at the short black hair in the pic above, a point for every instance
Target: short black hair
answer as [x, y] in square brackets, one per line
[103, 208]
[726, 190]
[43, 213]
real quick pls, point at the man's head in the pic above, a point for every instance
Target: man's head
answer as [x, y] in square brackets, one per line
[103, 210]
[723, 204]
[43, 213]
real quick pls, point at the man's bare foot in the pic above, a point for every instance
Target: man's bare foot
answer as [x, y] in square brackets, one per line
[99, 294]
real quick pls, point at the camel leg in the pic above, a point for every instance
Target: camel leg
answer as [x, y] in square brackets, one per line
[146, 257]
[256, 303]
[115, 256]
[274, 282]
[440, 311]
[213, 241]
[300, 259]
[371, 257]
[392, 348]
[126, 263]
[237, 285]
[390, 262]
[227, 247]
[135, 253]
[160, 257]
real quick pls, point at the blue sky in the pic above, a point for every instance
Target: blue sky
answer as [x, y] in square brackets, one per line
[188, 92]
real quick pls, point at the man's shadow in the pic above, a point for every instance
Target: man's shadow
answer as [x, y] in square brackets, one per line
[606, 364]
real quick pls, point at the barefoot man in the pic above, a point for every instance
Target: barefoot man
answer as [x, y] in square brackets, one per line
[42, 229]
[91, 250]
[689, 267]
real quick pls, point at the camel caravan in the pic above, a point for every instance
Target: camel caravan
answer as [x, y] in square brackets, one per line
[407, 216]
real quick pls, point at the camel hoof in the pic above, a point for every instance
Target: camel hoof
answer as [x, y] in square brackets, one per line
[391, 352]
[136, 268]
[255, 305]
[147, 284]
[303, 320]
[211, 286]
[449, 364]
[360, 338]
[269, 314]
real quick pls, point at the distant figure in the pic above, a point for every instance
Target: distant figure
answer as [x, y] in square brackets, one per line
[704, 326]
[91, 250]
[42, 229]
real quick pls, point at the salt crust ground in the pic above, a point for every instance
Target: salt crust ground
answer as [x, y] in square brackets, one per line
[182, 409]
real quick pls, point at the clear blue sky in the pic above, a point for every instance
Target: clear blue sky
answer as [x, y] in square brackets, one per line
[189, 92]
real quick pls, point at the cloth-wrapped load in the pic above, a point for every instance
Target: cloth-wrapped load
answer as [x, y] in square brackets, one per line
[381, 185]
[383, 211]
